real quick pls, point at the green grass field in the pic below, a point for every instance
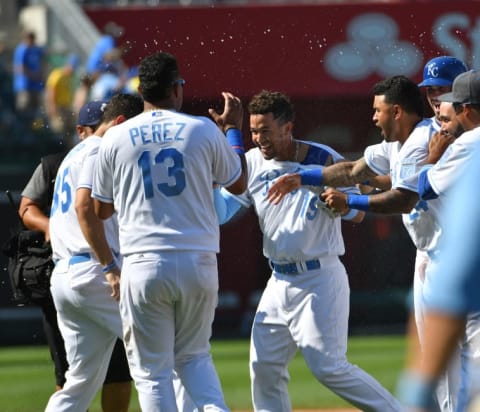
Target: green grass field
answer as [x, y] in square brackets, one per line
[26, 374]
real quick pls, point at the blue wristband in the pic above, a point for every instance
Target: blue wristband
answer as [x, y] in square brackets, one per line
[311, 177]
[359, 202]
[234, 137]
[109, 267]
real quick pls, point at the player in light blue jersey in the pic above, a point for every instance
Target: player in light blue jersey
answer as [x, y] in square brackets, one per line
[156, 171]
[453, 295]
[305, 305]
[435, 184]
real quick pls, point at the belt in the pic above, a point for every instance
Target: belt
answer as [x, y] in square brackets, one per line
[295, 268]
[79, 258]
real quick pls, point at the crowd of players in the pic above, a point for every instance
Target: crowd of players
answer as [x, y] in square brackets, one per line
[145, 169]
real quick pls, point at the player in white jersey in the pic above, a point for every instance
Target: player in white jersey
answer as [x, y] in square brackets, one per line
[398, 112]
[453, 295]
[156, 171]
[88, 316]
[435, 184]
[305, 305]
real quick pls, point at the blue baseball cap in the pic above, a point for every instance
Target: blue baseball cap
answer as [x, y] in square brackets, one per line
[91, 113]
[441, 71]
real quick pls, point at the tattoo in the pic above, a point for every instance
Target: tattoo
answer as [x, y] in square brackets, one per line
[393, 201]
[347, 173]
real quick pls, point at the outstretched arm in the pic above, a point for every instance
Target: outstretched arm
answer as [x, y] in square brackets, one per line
[393, 201]
[339, 174]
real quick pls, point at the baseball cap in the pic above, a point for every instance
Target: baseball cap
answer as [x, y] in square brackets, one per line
[91, 113]
[441, 71]
[465, 89]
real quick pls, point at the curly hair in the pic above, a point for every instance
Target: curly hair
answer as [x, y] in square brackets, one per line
[402, 91]
[272, 102]
[157, 73]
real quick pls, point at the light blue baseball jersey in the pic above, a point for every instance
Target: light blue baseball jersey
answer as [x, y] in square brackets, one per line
[158, 169]
[300, 227]
[448, 170]
[404, 163]
[76, 171]
[455, 285]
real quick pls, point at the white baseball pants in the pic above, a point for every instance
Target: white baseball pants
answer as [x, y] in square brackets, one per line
[309, 311]
[167, 306]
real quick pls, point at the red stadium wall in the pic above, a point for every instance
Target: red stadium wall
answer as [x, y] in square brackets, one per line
[326, 57]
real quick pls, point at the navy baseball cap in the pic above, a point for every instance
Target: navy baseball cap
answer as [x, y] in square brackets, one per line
[465, 89]
[91, 113]
[441, 71]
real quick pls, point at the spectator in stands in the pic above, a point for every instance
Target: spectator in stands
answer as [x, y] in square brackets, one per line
[59, 92]
[104, 46]
[28, 80]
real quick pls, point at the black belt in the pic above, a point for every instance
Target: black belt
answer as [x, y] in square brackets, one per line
[294, 268]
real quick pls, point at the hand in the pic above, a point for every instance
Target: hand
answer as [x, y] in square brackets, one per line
[283, 185]
[232, 115]
[438, 144]
[113, 278]
[335, 200]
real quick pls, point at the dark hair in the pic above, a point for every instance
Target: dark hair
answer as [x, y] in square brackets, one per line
[128, 105]
[272, 102]
[157, 73]
[402, 91]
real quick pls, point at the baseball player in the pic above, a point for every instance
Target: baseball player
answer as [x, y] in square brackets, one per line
[453, 295]
[83, 292]
[305, 305]
[438, 76]
[156, 171]
[435, 183]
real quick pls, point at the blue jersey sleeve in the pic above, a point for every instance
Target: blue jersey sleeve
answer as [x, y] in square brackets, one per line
[226, 205]
[425, 189]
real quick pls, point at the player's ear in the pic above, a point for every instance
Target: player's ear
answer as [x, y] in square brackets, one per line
[289, 127]
[119, 119]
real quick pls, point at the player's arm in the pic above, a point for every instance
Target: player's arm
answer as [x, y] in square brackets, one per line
[437, 145]
[94, 233]
[393, 201]
[102, 209]
[226, 206]
[230, 122]
[32, 216]
[339, 174]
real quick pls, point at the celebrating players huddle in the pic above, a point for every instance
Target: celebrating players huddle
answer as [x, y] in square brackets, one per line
[134, 228]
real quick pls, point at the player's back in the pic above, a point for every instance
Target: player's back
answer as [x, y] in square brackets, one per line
[163, 164]
[65, 233]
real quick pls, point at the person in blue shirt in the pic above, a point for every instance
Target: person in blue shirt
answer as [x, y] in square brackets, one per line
[106, 44]
[28, 75]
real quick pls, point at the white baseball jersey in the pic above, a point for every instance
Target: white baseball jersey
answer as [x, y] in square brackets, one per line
[75, 172]
[299, 228]
[403, 163]
[158, 169]
[447, 171]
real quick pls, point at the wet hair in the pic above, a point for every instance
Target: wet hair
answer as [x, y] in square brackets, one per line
[272, 102]
[128, 105]
[402, 91]
[156, 74]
